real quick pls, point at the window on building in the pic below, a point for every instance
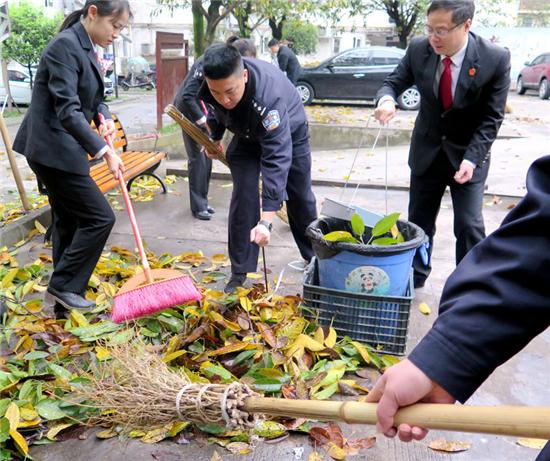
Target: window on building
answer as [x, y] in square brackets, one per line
[356, 42]
[336, 46]
[48, 3]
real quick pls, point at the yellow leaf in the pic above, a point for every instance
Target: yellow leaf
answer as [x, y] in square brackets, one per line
[537, 444]
[28, 414]
[319, 336]
[78, 319]
[7, 281]
[20, 441]
[303, 342]
[13, 415]
[136, 433]
[173, 344]
[154, 436]
[424, 309]
[230, 348]
[449, 446]
[106, 434]
[52, 433]
[362, 351]
[102, 353]
[331, 338]
[254, 275]
[173, 355]
[177, 427]
[216, 316]
[219, 258]
[246, 303]
[314, 456]
[39, 227]
[334, 451]
[25, 424]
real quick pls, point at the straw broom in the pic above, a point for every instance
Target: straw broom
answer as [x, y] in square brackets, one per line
[201, 138]
[152, 290]
[137, 390]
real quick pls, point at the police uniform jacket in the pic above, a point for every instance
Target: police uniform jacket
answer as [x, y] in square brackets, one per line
[269, 121]
[497, 299]
[67, 96]
[186, 99]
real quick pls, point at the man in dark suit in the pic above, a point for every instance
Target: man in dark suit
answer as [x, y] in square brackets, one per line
[288, 62]
[493, 304]
[464, 81]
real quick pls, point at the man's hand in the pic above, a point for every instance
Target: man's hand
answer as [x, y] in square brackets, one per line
[108, 129]
[260, 235]
[214, 155]
[385, 111]
[114, 162]
[402, 385]
[464, 173]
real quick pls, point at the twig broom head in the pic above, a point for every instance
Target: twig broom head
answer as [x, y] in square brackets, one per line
[137, 390]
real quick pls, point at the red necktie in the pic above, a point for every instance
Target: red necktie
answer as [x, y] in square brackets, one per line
[446, 85]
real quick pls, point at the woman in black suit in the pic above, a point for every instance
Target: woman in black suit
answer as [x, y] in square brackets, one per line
[56, 138]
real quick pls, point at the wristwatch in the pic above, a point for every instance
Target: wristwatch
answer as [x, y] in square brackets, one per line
[266, 224]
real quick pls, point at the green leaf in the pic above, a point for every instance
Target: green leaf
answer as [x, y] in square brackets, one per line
[4, 404]
[267, 385]
[49, 409]
[357, 225]
[385, 224]
[34, 355]
[173, 324]
[384, 241]
[4, 430]
[243, 356]
[61, 372]
[340, 236]
[217, 370]
[213, 429]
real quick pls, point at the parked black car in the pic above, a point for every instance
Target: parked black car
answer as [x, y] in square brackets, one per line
[355, 74]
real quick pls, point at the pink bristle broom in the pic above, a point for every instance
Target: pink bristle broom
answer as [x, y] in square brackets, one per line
[154, 289]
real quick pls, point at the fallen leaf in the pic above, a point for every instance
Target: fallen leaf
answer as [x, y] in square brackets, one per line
[424, 309]
[451, 446]
[537, 444]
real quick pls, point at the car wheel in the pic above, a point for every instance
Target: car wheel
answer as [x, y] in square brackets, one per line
[306, 92]
[544, 89]
[409, 99]
[520, 89]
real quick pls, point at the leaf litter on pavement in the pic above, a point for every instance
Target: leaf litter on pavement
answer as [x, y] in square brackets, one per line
[258, 338]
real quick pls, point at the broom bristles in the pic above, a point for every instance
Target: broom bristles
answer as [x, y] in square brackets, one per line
[157, 296]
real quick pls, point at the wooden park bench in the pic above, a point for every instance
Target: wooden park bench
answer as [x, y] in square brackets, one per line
[136, 164]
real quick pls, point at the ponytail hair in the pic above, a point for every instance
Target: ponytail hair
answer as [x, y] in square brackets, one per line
[104, 8]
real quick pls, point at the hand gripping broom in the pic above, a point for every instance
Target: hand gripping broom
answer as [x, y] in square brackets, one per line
[153, 289]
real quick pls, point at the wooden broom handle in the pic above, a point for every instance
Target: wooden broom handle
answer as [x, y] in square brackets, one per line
[520, 421]
[131, 214]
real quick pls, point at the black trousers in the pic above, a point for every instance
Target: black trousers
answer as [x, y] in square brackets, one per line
[82, 221]
[200, 169]
[244, 211]
[544, 455]
[426, 192]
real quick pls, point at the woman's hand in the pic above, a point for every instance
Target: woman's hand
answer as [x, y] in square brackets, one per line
[114, 162]
[107, 128]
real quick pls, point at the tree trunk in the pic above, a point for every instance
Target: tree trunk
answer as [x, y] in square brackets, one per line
[212, 21]
[198, 27]
[277, 27]
[30, 74]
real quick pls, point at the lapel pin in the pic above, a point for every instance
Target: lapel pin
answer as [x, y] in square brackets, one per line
[472, 71]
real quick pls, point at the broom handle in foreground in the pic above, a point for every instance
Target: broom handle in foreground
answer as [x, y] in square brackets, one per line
[519, 421]
[131, 214]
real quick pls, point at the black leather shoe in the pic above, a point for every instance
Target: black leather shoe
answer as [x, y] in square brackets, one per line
[202, 215]
[210, 210]
[70, 300]
[236, 280]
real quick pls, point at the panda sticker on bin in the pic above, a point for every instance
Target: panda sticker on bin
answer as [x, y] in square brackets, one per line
[368, 280]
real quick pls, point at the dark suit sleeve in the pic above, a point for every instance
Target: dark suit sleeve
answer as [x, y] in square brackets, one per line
[496, 300]
[276, 156]
[62, 63]
[495, 94]
[186, 99]
[282, 59]
[400, 79]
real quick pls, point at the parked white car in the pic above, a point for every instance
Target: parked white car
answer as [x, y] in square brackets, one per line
[21, 92]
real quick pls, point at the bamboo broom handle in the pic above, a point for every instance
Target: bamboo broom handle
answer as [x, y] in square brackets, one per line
[517, 421]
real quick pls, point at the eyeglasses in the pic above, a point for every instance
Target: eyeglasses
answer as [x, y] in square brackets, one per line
[440, 32]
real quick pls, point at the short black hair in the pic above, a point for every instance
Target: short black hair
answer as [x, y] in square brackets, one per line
[221, 61]
[272, 42]
[245, 47]
[232, 39]
[462, 9]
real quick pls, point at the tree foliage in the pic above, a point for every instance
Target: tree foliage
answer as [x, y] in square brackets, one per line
[302, 36]
[31, 30]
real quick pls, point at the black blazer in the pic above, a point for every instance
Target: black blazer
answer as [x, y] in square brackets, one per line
[288, 62]
[67, 95]
[468, 129]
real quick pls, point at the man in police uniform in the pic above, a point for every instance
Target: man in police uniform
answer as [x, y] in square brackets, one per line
[260, 106]
[199, 166]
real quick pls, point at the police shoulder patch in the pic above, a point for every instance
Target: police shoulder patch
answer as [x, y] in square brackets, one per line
[272, 120]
